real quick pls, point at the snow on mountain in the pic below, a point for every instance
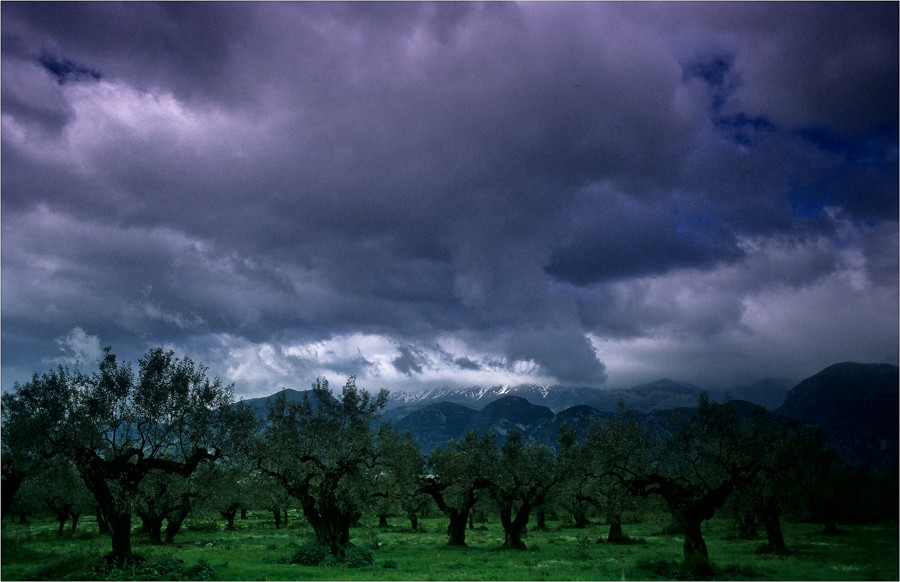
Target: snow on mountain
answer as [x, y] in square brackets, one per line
[554, 397]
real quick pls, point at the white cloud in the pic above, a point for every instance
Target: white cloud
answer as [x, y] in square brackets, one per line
[79, 349]
[788, 309]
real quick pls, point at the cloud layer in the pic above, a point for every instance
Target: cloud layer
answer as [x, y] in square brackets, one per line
[430, 193]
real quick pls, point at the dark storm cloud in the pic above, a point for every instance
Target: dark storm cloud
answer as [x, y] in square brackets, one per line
[466, 364]
[66, 71]
[565, 355]
[438, 188]
[408, 362]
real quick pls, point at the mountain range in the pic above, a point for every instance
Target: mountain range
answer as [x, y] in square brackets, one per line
[662, 394]
[856, 406]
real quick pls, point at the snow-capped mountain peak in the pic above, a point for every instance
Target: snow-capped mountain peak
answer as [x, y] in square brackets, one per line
[554, 397]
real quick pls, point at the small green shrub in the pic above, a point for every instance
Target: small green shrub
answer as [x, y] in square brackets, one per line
[370, 539]
[582, 543]
[358, 557]
[309, 554]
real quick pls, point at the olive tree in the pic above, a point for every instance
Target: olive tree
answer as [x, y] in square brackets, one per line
[323, 452]
[164, 497]
[396, 480]
[118, 426]
[524, 472]
[58, 487]
[587, 481]
[455, 475]
[692, 463]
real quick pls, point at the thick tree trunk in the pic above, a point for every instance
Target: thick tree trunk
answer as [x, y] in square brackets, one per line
[514, 531]
[771, 517]
[746, 525]
[10, 484]
[120, 533]
[285, 517]
[615, 535]
[276, 513]
[382, 520]
[829, 521]
[61, 509]
[152, 524]
[102, 526]
[457, 528]
[542, 519]
[333, 532]
[174, 521]
[513, 540]
[580, 517]
[413, 521]
[229, 514]
[75, 515]
[690, 515]
[694, 544]
[514, 528]
[243, 513]
[331, 524]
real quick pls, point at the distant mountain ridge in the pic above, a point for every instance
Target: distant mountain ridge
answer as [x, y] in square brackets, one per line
[662, 394]
[555, 398]
[856, 405]
[439, 422]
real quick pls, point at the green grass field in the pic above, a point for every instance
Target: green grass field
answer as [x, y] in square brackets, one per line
[257, 551]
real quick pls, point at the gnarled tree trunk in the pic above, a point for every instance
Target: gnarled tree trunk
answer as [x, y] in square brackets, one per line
[102, 526]
[120, 534]
[771, 517]
[457, 528]
[153, 525]
[229, 514]
[615, 535]
[276, 513]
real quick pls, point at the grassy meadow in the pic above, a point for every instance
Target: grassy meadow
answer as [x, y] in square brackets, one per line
[258, 551]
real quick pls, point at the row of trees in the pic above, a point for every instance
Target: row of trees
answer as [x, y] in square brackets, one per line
[165, 440]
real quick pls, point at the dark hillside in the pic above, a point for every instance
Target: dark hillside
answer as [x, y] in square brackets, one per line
[857, 407]
[511, 412]
[579, 417]
[437, 423]
[659, 395]
[769, 393]
[259, 404]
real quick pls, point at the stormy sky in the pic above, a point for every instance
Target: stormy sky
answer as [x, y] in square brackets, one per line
[429, 194]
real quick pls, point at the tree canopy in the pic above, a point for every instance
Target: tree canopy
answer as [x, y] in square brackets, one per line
[118, 426]
[323, 452]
